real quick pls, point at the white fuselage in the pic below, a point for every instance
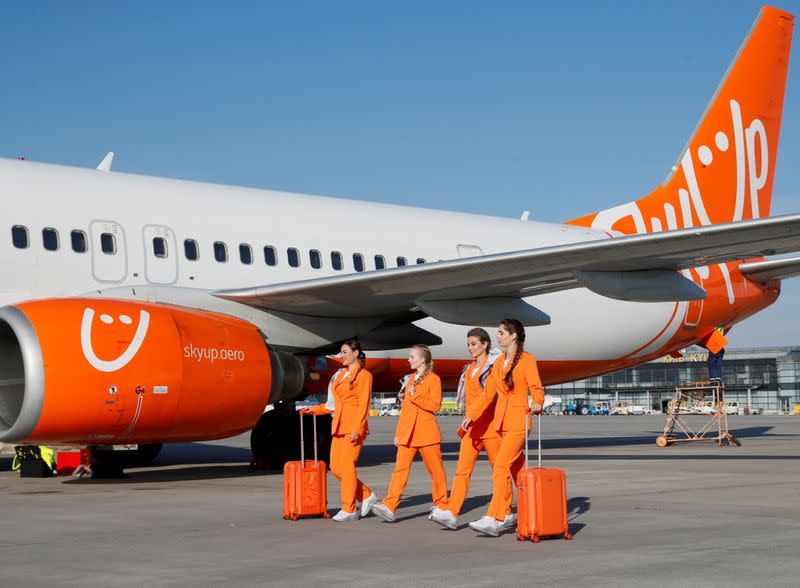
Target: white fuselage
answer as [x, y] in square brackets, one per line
[138, 209]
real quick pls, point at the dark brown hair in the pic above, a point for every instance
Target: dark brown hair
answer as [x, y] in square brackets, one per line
[362, 358]
[481, 335]
[514, 326]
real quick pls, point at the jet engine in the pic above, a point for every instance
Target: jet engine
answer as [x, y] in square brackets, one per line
[97, 371]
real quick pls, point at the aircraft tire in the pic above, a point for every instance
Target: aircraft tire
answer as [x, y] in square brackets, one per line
[110, 464]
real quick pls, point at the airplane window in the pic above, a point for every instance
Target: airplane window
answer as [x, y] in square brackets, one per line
[19, 236]
[160, 247]
[190, 249]
[78, 241]
[380, 262]
[401, 261]
[314, 257]
[294, 256]
[108, 244]
[270, 255]
[420, 261]
[220, 251]
[50, 239]
[246, 253]
[336, 260]
[358, 262]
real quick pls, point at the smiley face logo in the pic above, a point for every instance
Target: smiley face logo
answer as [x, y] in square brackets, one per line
[123, 360]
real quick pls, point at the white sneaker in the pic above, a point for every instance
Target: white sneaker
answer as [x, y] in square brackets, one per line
[508, 523]
[381, 510]
[486, 525]
[343, 516]
[368, 503]
[431, 511]
[444, 518]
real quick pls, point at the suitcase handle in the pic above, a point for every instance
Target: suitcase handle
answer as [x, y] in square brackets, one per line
[303, 442]
[538, 436]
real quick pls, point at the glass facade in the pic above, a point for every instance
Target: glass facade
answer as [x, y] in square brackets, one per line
[767, 378]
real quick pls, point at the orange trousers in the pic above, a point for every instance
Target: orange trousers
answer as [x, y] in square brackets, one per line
[344, 455]
[467, 456]
[507, 464]
[432, 456]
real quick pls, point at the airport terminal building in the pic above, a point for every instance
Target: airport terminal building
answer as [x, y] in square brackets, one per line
[767, 378]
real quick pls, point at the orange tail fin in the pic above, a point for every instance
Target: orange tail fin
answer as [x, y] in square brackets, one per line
[725, 172]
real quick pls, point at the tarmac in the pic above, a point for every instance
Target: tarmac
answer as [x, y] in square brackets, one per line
[641, 515]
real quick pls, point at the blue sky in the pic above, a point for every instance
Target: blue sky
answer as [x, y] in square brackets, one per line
[487, 107]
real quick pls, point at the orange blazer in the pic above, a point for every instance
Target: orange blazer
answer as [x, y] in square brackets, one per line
[474, 395]
[509, 412]
[417, 426]
[351, 407]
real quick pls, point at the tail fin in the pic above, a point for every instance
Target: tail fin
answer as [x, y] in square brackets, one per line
[725, 172]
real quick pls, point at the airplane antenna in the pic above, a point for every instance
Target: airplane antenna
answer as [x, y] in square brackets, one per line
[105, 165]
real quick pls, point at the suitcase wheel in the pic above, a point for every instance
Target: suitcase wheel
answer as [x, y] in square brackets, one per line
[520, 537]
[327, 515]
[567, 535]
[536, 538]
[295, 517]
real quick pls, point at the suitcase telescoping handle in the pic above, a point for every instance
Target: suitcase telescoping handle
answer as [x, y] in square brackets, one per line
[538, 435]
[303, 442]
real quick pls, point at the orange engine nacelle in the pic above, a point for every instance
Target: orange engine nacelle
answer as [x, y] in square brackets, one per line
[98, 371]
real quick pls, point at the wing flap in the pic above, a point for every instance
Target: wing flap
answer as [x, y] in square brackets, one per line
[772, 269]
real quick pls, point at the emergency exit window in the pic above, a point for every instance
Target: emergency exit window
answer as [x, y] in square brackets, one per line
[78, 239]
[108, 243]
[19, 237]
[160, 247]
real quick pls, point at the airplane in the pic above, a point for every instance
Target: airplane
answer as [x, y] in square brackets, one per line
[139, 310]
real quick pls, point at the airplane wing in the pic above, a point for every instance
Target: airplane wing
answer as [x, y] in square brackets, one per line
[472, 290]
[773, 269]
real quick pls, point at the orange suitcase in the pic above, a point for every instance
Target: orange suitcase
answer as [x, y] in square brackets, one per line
[541, 499]
[305, 484]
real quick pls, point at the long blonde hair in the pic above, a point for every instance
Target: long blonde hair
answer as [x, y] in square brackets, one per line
[427, 357]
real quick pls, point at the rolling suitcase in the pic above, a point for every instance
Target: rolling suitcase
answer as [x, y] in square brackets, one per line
[541, 499]
[305, 484]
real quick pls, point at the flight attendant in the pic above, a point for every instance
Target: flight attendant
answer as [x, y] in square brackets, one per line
[417, 431]
[349, 393]
[479, 435]
[513, 378]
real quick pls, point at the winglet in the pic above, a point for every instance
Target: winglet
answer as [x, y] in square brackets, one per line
[105, 165]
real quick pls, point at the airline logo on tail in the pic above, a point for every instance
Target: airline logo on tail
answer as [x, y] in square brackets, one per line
[751, 169]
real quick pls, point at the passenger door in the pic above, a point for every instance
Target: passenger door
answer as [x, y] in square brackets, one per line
[109, 251]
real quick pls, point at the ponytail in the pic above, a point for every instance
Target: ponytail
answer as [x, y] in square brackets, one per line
[426, 355]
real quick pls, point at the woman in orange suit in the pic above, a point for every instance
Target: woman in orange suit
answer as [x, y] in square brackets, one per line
[480, 435]
[417, 430]
[349, 395]
[513, 377]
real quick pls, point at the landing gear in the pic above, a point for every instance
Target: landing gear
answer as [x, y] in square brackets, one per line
[108, 463]
[276, 437]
